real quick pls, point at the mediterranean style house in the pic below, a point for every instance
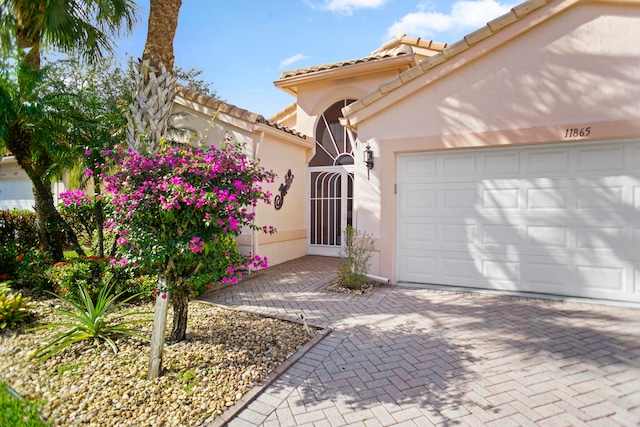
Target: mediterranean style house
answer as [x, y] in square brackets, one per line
[509, 160]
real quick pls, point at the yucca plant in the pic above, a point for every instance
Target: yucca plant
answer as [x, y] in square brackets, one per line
[91, 321]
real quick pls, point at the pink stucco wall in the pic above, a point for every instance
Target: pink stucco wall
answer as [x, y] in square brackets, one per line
[525, 85]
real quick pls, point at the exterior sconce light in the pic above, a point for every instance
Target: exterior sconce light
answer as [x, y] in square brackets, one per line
[368, 159]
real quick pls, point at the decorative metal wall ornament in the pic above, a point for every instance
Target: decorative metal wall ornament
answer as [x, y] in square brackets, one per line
[279, 199]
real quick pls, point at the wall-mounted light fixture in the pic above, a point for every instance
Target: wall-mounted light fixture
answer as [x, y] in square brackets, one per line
[368, 158]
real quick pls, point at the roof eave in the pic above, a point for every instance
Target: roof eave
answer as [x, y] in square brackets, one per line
[496, 33]
[290, 84]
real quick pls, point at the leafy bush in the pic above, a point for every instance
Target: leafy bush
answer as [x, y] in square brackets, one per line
[19, 229]
[8, 254]
[87, 320]
[17, 412]
[68, 276]
[223, 254]
[93, 274]
[354, 267]
[79, 210]
[30, 268]
[14, 308]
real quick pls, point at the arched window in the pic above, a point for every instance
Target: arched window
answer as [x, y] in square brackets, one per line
[333, 145]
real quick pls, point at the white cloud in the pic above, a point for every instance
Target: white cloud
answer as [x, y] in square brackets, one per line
[346, 6]
[464, 15]
[295, 58]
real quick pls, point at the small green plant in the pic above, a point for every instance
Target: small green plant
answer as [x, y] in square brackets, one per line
[69, 368]
[14, 308]
[353, 269]
[17, 412]
[188, 377]
[87, 321]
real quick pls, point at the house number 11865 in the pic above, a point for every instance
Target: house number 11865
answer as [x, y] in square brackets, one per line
[577, 132]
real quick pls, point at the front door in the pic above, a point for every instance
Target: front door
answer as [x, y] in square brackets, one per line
[330, 208]
[330, 183]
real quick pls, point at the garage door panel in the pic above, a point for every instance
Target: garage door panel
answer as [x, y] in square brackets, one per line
[419, 266]
[609, 158]
[601, 238]
[500, 199]
[595, 275]
[547, 162]
[547, 198]
[457, 199]
[458, 269]
[547, 274]
[562, 219]
[599, 197]
[501, 273]
[458, 165]
[547, 236]
[500, 164]
[419, 200]
[418, 235]
[500, 236]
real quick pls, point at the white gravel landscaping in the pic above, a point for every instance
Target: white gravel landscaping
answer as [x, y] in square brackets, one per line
[227, 353]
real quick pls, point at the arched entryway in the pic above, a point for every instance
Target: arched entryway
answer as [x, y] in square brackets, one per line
[330, 184]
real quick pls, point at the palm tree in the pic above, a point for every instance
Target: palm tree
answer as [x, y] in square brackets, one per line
[83, 26]
[154, 93]
[154, 86]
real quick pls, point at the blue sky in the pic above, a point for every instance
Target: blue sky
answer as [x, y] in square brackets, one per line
[244, 45]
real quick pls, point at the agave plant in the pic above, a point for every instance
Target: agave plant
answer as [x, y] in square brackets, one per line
[91, 321]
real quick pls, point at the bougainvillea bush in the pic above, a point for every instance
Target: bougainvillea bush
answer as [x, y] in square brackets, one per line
[174, 210]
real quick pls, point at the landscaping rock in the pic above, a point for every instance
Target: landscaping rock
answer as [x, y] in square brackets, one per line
[227, 354]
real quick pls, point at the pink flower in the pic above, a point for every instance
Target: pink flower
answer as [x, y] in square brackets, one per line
[88, 172]
[87, 152]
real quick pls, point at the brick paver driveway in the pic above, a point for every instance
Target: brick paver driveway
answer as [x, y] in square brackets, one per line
[420, 357]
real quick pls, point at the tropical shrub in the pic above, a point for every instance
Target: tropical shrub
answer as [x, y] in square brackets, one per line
[77, 209]
[14, 308]
[353, 269]
[30, 268]
[94, 273]
[68, 276]
[170, 209]
[89, 321]
[19, 229]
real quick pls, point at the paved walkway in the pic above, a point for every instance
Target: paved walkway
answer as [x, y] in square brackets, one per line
[420, 357]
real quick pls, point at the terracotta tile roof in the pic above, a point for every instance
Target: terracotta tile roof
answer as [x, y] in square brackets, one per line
[448, 52]
[401, 45]
[285, 112]
[232, 110]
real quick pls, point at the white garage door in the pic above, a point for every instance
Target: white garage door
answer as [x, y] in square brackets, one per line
[561, 219]
[16, 194]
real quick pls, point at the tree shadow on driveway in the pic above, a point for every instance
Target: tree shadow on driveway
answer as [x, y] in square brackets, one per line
[453, 357]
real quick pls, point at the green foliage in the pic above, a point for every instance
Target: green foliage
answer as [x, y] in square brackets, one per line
[30, 270]
[70, 276]
[99, 321]
[94, 273]
[191, 79]
[223, 252]
[354, 266]
[17, 412]
[19, 229]
[14, 308]
[87, 27]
